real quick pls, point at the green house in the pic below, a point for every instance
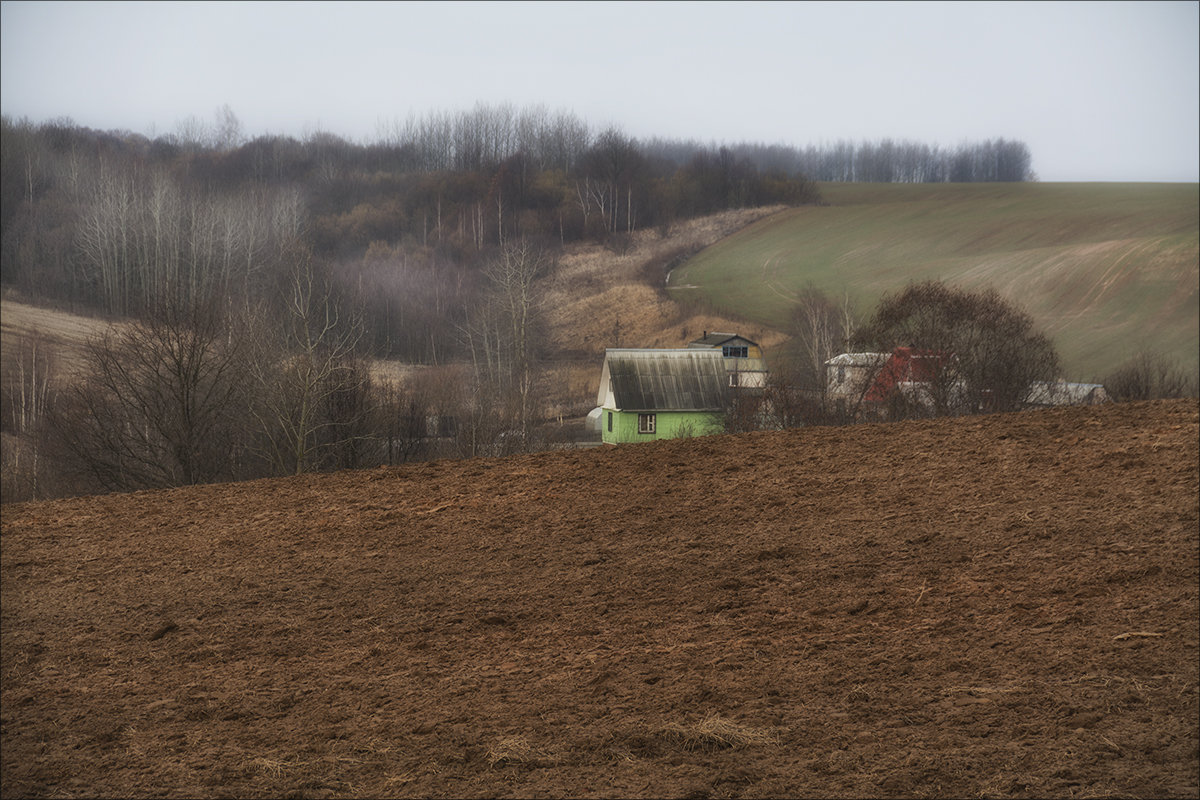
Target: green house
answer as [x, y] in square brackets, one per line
[661, 394]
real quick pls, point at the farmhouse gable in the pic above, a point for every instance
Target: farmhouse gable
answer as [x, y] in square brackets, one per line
[866, 382]
[744, 363]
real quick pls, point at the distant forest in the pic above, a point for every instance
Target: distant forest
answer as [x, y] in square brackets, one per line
[257, 278]
[115, 221]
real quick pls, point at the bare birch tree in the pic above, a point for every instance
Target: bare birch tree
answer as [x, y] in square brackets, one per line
[502, 335]
[29, 386]
[819, 331]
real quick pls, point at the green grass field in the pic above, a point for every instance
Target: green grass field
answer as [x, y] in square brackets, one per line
[1106, 270]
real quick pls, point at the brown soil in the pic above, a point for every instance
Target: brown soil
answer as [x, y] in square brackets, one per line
[995, 606]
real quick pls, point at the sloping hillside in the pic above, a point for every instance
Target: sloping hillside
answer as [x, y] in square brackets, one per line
[1001, 605]
[1105, 269]
[596, 298]
[600, 298]
[67, 334]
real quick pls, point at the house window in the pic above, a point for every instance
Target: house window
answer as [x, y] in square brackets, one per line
[735, 351]
[610, 422]
[645, 423]
[841, 374]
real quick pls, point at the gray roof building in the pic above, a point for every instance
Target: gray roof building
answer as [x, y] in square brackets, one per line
[663, 380]
[1062, 393]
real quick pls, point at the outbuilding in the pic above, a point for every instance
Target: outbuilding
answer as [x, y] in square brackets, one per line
[1044, 394]
[648, 394]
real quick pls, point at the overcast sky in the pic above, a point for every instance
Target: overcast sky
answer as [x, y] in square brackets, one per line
[1099, 91]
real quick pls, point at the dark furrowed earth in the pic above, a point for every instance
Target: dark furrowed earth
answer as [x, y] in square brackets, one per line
[1004, 605]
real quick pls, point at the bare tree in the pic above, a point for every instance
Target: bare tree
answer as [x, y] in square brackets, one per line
[977, 351]
[191, 133]
[503, 335]
[515, 276]
[29, 386]
[820, 330]
[27, 382]
[305, 367]
[161, 403]
[227, 130]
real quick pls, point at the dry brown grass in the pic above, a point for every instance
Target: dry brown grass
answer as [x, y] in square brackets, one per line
[513, 750]
[66, 333]
[715, 732]
[276, 767]
[599, 298]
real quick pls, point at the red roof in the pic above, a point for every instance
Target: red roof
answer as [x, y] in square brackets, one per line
[905, 365]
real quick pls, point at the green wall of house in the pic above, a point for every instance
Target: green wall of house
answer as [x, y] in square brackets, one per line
[667, 425]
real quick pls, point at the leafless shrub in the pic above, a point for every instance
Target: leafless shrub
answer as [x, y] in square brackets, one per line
[745, 412]
[1147, 376]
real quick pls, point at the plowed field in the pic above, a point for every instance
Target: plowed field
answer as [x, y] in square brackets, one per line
[995, 606]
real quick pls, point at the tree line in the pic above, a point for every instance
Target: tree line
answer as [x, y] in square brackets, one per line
[200, 389]
[109, 221]
[104, 220]
[255, 278]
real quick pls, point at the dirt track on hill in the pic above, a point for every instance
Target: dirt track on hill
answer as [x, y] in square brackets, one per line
[994, 606]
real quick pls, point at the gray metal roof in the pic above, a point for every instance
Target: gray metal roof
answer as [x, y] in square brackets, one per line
[667, 380]
[1061, 393]
[858, 360]
[715, 339]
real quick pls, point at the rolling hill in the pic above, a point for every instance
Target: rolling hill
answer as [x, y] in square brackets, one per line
[1106, 270]
[595, 298]
[995, 605]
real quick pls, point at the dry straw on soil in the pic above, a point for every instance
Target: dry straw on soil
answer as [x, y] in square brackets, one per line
[514, 750]
[715, 732]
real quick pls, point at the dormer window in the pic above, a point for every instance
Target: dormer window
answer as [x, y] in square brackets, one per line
[735, 351]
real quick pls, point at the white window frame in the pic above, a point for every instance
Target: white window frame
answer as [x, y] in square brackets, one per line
[647, 423]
